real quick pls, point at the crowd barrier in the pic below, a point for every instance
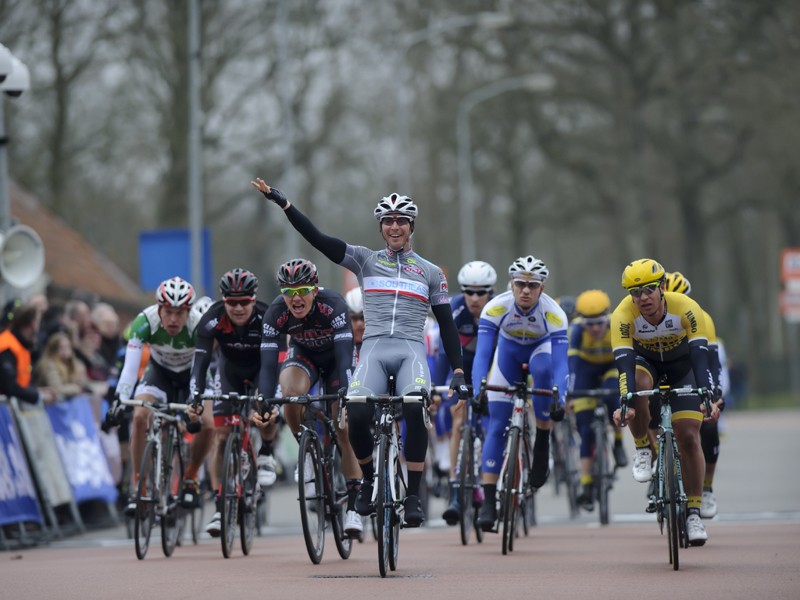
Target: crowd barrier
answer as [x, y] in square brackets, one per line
[52, 456]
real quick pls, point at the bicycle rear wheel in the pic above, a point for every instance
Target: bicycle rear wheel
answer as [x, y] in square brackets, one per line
[172, 478]
[384, 507]
[248, 499]
[509, 496]
[671, 493]
[336, 496]
[146, 501]
[311, 496]
[231, 485]
[466, 466]
[602, 469]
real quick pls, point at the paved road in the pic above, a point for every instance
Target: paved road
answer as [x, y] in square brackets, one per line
[754, 548]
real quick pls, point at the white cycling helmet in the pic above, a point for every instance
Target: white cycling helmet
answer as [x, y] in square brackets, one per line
[355, 301]
[203, 304]
[176, 293]
[477, 274]
[529, 267]
[396, 204]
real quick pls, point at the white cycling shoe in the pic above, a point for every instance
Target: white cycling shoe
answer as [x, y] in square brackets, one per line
[266, 471]
[708, 506]
[695, 530]
[642, 465]
[214, 527]
[353, 526]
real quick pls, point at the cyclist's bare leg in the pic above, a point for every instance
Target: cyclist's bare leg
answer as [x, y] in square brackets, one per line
[294, 382]
[687, 434]
[350, 466]
[220, 437]
[139, 424]
[459, 414]
[200, 445]
[641, 419]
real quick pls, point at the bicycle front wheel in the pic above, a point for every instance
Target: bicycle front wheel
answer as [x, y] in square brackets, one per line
[311, 495]
[336, 495]
[384, 507]
[602, 467]
[172, 478]
[231, 486]
[671, 493]
[147, 494]
[466, 466]
[248, 499]
[509, 497]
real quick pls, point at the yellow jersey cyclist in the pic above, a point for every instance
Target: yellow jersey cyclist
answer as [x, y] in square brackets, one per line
[591, 365]
[655, 334]
[398, 287]
[709, 430]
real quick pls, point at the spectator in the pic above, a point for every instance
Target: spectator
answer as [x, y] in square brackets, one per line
[40, 302]
[60, 369]
[79, 319]
[106, 320]
[16, 343]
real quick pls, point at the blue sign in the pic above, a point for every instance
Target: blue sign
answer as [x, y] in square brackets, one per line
[166, 253]
[17, 494]
[81, 451]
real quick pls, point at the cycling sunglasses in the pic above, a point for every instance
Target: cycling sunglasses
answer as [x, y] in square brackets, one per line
[240, 301]
[533, 285]
[475, 292]
[298, 291]
[399, 220]
[648, 290]
[596, 321]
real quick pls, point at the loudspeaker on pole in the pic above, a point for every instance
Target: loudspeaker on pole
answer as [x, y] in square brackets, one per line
[21, 256]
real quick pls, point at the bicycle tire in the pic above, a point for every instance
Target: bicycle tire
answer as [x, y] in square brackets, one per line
[671, 487]
[248, 499]
[572, 470]
[196, 515]
[229, 504]
[526, 499]
[310, 496]
[602, 468]
[466, 471]
[146, 500]
[336, 497]
[394, 531]
[509, 505]
[383, 507]
[172, 479]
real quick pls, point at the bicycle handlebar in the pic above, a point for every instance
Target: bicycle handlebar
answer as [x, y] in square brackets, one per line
[161, 406]
[592, 393]
[665, 392]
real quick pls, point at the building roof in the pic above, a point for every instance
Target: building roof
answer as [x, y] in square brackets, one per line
[72, 264]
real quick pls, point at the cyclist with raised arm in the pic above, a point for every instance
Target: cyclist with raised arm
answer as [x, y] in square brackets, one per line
[528, 327]
[317, 322]
[169, 328]
[658, 334]
[234, 325]
[591, 365]
[709, 430]
[477, 280]
[399, 286]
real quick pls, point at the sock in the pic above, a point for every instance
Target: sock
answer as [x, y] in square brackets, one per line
[266, 448]
[642, 442]
[707, 484]
[541, 445]
[693, 503]
[490, 492]
[586, 479]
[368, 471]
[414, 479]
[353, 487]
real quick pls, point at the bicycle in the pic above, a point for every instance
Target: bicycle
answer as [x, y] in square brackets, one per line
[239, 491]
[468, 471]
[566, 463]
[389, 491]
[160, 478]
[670, 498]
[322, 452]
[514, 492]
[603, 473]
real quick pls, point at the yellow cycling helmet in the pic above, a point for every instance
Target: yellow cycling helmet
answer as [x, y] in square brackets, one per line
[676, 282]
[642, 272]
[592, 303]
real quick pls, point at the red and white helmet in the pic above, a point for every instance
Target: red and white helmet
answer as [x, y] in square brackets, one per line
[396, 204]
[176, 293]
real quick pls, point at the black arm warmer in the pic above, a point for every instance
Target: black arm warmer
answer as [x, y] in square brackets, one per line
[449, 334]
[698, 352]
[331, 247]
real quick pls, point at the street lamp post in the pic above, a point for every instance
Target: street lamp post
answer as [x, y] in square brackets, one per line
[535, 82]
[14, 80]
[195, 167]
[486, 20]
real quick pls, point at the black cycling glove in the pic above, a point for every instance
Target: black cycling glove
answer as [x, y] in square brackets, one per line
[459, 384]
[276, 196]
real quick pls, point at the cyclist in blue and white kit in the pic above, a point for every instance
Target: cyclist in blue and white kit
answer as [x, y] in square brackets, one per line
[398, 287]
[529, 328]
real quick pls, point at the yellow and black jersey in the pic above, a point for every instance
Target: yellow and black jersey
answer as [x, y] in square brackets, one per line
[684, 321]
[586, 347]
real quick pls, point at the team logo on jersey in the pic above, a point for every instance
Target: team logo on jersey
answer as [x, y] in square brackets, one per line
[325, 309]
[553, 319]
[339, 321]
[692, 321]
[387, 263]
[412, 269]
[625, 330]
[668, 324]
[269, 331]
[496, 311]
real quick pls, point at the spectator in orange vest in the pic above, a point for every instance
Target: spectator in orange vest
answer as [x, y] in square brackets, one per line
[16, 344]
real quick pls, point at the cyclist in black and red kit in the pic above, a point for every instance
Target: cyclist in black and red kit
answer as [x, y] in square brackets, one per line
[317, 322]
[234, 323]
[399, 286]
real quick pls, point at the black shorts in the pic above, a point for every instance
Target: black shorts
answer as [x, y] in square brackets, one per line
[314, 364]
[677, 373]
[234, 378]
[164, 385]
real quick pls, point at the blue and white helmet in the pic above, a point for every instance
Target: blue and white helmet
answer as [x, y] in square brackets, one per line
[396, 204]
[528, 267]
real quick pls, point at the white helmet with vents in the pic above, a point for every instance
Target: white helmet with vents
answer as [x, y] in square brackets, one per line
[396, 204]
[355, 301]
[477, 274]
[528, 267]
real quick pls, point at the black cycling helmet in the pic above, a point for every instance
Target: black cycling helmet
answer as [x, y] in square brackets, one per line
[238, 282]
[297, 271]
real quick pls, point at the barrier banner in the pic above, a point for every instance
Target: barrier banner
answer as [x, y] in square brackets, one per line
[81, 451]
[17, 493]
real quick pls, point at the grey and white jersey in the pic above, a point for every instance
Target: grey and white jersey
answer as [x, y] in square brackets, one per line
[398, 289]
